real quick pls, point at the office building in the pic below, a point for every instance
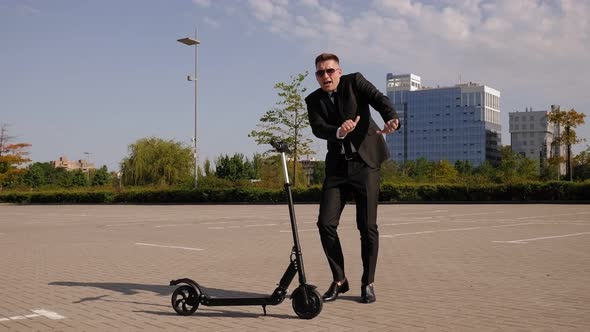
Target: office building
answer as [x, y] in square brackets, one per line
[533, 136]
[460, 122]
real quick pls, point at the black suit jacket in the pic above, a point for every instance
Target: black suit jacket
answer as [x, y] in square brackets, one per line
[355, 94]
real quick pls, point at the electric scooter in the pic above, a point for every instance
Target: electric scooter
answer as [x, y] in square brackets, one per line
[306, 300]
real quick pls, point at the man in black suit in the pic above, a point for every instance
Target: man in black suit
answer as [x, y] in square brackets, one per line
[339, 112]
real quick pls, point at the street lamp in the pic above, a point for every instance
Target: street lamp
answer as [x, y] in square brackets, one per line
[87, 161]
[194, 42]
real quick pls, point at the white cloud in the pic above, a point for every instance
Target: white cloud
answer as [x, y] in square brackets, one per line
[311, 3]
[211, 22]
[26, 10]
[266, 10]
[528, 47]
[497, 32]
[202, 3]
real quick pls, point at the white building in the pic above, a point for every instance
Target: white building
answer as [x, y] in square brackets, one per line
[70, 165]
[532, 136]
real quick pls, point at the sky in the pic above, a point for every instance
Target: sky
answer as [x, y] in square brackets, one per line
[94, 76]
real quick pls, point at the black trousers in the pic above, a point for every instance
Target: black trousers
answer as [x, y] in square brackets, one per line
[343, 179]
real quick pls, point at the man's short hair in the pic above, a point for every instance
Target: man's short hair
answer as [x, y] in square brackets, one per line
[325, 57]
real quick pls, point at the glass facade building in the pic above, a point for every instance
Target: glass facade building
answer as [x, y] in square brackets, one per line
[461, 122]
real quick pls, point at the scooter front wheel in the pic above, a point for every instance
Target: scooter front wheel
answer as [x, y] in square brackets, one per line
[185, 300]
[310, 308]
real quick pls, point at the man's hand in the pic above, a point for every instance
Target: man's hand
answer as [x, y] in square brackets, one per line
[389, 127]
[348, 126]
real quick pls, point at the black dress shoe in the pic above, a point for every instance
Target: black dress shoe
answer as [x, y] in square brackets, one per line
[367, 294]
[335, 289]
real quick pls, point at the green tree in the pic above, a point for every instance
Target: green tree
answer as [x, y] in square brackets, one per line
[515, 167]
[234, 168]
[35, 175]
[507, 170]
[155, 161]
[389, 172]
[582, 165]
[11, 156]
[287, 121]
[464, 167]
[101, 177]
[271, 173]
[422, 169]
[528, 169]
[208, 168]
[407, 170]
[257, 160]
[79, 178]
[44, 174]
[485, 172]
[60, 177]
[319, 172]
[443, 171]
[568, 120]
[551, 170]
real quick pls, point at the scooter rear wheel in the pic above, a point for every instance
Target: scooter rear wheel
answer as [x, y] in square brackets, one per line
[185, 300]
[309, 309]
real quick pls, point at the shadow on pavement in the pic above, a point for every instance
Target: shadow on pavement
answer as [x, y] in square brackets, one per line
[162, 290]
[121, 287]
[203, 312]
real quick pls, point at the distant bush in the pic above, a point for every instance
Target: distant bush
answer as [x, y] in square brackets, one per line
[520, 192]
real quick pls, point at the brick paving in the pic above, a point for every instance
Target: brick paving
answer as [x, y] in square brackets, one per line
[454, 267]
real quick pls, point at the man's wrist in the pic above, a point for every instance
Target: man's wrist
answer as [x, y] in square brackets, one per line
[338, 136]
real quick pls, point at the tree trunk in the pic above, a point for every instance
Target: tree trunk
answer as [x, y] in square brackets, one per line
[568, 162]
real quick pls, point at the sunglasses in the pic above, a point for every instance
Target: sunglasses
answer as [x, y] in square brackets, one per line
[329, 71]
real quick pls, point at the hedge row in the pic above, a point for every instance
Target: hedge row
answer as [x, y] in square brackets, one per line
[553, 191]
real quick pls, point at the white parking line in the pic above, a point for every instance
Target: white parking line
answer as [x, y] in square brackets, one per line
[32, 315]
[301, 230]
[48, 314]
[455, 230]
[425, 212]
[473, 214]
[170, 247]
[172, 225]
[554, 215]
[37, 313]
[524, 241]
[125, 224]
[412, 223]
[313, 229]
[260, 225]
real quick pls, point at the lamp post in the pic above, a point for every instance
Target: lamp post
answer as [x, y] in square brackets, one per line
[194, 42]
[87, 161]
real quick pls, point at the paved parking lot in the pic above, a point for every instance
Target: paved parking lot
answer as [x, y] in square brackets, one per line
[441, 267]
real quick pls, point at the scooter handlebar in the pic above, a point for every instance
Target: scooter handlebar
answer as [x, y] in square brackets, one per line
[280, 146]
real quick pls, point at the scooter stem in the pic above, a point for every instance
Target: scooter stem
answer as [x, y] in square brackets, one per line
[296, 245]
